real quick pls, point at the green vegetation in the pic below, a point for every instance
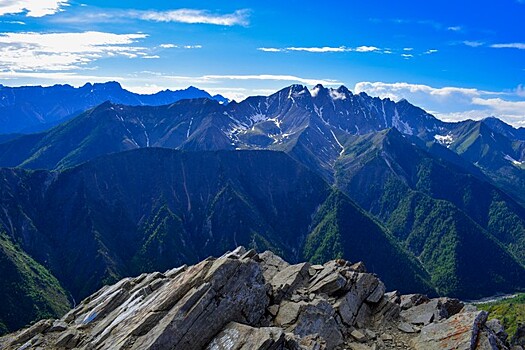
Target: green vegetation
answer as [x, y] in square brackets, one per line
[324, 242]
[164, 245]
[431, 236]
[439, 212]
[341, 229]
[450, 245]
[511, 312]
[507, 227]
[27, 290]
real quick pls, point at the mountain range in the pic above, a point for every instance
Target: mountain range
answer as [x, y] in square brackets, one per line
[314, 174]
[30, 109]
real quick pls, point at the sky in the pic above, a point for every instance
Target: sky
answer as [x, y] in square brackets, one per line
[456, 59]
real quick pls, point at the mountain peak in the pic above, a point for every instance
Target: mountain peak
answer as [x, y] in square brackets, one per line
[364, 94]
[296, 91]
[192, 88]
[319, 90]
[341, 93]
[297, 88]
[495, 122]
[104, 105]
[344, 89]
[110, 84]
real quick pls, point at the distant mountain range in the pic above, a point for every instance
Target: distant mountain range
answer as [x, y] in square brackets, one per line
[315, 174]
[29, 109]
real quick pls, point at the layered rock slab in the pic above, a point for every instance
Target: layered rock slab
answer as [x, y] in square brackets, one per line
[244, 300]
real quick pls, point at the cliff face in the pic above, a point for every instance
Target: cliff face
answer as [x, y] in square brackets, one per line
[246, 300]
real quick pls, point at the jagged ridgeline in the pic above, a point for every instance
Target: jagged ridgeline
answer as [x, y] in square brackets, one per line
[314, 175]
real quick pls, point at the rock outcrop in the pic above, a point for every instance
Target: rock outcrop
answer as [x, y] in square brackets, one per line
[244, 300]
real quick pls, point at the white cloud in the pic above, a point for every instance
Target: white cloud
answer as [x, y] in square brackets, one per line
[407, 56]
[288, 78]
[55, 77]
[502, 106]
[190, 16]
[32, 8]
[223, 79]
[454, 103]
[14, 22]
[510, 112]
[455, 28]
[519, 46]
[31, 51]
[431, 51]
[173, 46]
[269, 49]
[408, 49]
[366, 49]
[520, 90]
[239, 94]
[336, 95]
[397, 91]
[322, 49]
[473, 43]
[231, 86]
[239, 17]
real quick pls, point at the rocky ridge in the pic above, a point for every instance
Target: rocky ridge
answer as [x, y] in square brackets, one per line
[246, 300]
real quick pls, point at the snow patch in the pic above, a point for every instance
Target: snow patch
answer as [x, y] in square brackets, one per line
[384, 112]
[276, 121]
[338, 143]
[259, 117]
[513, 161]
[445, 140]
[401, 125]
[297, 94]
[189, 128]
[319, 112]
[315, 91]
[336, 95]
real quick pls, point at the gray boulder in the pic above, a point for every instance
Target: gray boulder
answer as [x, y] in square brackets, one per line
[433, 310]
[461, 331]
[236, 336]
[286, 281]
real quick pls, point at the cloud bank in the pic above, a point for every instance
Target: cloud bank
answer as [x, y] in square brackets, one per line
[30, 51]
[322, 49]
[32, 8]
[184, 15]
[454, 103]
[239, 17]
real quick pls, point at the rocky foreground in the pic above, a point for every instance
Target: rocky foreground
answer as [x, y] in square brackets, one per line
[244, 300]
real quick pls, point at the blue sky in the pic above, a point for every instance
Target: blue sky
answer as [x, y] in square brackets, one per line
[458, 61]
